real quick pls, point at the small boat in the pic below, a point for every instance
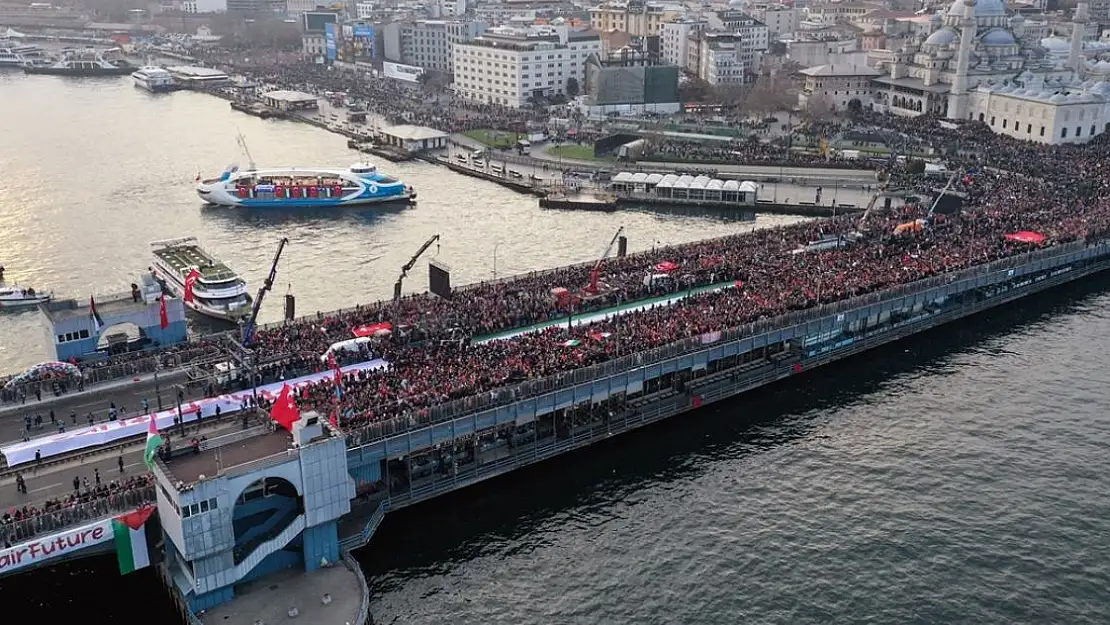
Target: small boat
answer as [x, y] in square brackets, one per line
[204, 284]
[83, 63]
[154, 79]
[17, 297]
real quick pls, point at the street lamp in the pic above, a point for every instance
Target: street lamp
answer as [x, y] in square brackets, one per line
[496, 245]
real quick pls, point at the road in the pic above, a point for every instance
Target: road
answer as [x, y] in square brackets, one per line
[97, 401]
[55, 481]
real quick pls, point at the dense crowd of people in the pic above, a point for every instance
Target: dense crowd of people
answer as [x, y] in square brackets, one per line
[88, 501]
[441, 349]
[430, 364]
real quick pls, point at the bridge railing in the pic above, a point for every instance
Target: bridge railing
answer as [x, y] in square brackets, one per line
[16, 531]
[534, 388]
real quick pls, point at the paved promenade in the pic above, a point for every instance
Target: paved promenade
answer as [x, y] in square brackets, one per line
[127, 394]
[270, 599]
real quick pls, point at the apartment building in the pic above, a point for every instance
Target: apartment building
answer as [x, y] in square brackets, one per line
[509, 66]
[675, 40]
[635, 17]
[781, 20]
[428, 43]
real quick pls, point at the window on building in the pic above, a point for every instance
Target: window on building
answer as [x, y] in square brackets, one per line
[1028, 129]
[992, 120]
[1042, 131]
[1004, 122]
[1063, 133]
[1079, 131]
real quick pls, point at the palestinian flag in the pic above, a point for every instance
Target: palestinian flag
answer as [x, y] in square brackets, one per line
[153, 442]
[130, 534]
[571, 343]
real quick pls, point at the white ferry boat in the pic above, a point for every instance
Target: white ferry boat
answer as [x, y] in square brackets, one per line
[82, 63]
[203, 283]
[303, 187]
[154, 79]
[17, 297]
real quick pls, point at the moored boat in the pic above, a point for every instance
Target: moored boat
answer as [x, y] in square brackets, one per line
[205, 284]
[154, 79]
[82, 63]
[19, 297]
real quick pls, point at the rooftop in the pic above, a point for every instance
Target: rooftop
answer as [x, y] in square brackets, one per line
[196, 72]
[412, 133]
[188, 467]
[183, 257]
[840, 70]
[106, 305]
[290, 96]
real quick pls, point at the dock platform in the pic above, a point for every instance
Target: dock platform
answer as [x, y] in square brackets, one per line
[270, 599]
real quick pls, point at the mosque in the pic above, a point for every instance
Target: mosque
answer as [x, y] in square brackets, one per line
[978, 63]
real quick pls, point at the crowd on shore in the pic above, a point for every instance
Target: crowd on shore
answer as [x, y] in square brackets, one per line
[438, 350]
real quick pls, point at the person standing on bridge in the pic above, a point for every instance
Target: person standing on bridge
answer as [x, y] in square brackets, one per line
[119, 461]
[76, 483]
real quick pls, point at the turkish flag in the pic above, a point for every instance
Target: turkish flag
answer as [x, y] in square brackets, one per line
[164, 318]
[190, 280]
[285, 411]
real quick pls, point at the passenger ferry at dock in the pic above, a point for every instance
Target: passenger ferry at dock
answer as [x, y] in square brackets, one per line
[154, 79]
[204, 284]
[303, 187]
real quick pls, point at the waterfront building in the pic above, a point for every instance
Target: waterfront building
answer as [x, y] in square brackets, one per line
[244, 505]
[290, 100]
[978, 63]
[629, 83]
[511, 66]
[428, 44]
[729, 58]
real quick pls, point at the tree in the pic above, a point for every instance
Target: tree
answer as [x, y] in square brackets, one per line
[694, 89]
[819, 107]
[768, 95]
[572, 87]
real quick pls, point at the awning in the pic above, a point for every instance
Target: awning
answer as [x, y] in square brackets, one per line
[1025, 236]
[374, 329]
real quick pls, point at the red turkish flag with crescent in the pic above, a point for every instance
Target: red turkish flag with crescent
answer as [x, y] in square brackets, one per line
[284, 410]
[190, 280]
[164, 318]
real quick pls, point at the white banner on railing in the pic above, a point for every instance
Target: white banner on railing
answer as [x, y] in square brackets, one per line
[111, 431]
[43, 548]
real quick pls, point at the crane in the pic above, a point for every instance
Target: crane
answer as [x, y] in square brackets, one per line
[947, 188]
[412, 262]
[592, 287]
[248, 327]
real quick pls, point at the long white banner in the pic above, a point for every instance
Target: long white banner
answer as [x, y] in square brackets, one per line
[43, 548]
[111, 431]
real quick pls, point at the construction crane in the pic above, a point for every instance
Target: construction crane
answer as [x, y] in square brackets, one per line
[874, 200]
[248, 327]
[412, 262]
[595, 272]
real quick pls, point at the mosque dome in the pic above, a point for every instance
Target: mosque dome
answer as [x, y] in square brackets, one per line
[1059, 98]
[736, 4]
[1055, 44]
[1101, 89]
[998, 37]
[943, 37]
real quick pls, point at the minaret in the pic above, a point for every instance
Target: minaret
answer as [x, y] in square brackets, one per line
[957, 99]
[1078, 29]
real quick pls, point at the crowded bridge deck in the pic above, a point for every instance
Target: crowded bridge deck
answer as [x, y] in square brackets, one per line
[435, 357]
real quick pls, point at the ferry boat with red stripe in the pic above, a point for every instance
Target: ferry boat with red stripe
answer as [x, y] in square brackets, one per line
[303, 187]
